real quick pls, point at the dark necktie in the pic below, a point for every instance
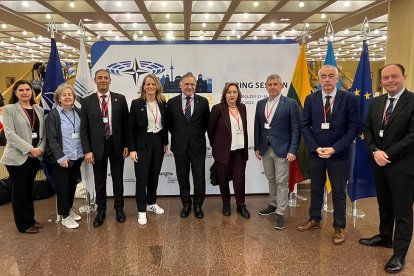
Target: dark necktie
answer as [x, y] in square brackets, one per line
[389, 111]
[187, 112]
[327, 108]
[104, 104]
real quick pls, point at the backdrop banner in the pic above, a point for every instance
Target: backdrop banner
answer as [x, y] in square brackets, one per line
[213, 63]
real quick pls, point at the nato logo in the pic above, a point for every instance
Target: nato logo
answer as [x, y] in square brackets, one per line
[135, 68]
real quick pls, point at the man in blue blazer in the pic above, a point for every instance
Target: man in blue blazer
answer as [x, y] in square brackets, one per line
[329, 125]
[276, 142]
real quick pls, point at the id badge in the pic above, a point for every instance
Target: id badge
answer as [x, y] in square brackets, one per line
[75, 135]
[325, 126]
[239, 131]
[381, 133]
[34, 135]
[105, 120]
[267, 126]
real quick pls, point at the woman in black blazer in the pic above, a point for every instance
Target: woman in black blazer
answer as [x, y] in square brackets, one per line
[227, 131]
[147, 143]
[64, 151]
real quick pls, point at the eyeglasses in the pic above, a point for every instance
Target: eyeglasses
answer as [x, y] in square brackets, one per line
[330, 76]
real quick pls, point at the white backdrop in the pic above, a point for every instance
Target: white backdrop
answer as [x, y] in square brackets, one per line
[247, 63]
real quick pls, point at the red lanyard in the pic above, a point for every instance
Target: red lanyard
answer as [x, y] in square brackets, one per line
[188, 105]
[326, 110]
[236, 117]
[104, 108]
[155, 116]
[32, 123]
[268, 113]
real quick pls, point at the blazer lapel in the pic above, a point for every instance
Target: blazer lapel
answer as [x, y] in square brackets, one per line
[337, 103]
[226, 116]
[22, 113]
[399, 107]
[279, 109]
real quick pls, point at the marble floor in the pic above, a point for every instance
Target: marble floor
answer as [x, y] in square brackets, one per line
[215, 245]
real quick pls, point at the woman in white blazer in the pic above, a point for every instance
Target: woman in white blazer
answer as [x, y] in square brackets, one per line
[24, 130]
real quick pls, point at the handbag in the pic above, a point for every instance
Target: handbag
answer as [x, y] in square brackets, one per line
[213, 175]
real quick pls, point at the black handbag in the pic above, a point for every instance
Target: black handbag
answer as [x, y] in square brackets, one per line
[213, 175]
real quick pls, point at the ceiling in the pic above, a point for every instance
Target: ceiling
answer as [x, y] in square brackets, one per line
[24, 35]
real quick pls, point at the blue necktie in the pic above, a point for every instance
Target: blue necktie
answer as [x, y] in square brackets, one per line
[389, 111]
[187, 113]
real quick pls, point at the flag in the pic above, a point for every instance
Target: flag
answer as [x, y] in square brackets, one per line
[361, 181]
[53, 77]
[298, 90]
[83, 84]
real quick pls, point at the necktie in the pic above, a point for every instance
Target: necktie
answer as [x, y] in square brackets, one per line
[187, 112]
[104, 104]
[389, 111]
[327, 108]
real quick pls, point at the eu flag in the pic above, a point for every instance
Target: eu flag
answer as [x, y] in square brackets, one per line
[53, 77]
[361, 181]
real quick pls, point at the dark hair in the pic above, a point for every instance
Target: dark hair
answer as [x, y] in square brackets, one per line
[395, 64]
[102, 70]
[226, 87]
[14, 98]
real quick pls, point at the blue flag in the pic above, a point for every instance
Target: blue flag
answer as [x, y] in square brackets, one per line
[361, 181]
[53, 77]
[330, 60]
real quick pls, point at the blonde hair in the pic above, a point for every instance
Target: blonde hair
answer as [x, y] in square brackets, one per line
[60, 90]
[158, 93]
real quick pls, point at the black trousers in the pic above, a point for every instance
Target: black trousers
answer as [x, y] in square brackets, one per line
[100, 169]
[147, 171]
[234, 170]
[395, 196]
[23, 177]
[65, 185]
[183, 162]
[338, 175]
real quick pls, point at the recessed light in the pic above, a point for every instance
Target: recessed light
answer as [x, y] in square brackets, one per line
[323, 16]
[71, 3]
[301, 4]
[204, 25]
[167, 15]
[118, 3]
[255, 4]
[210, 3]
[347, 4]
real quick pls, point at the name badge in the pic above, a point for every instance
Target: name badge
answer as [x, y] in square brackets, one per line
[105, 120]
[267, 126]
[325, 126]
[239, 131]
[76, 135]
[381, 133]
[34, 135]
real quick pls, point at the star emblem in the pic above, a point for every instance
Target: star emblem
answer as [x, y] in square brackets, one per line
[367, 96]
[135, 71]
[362, 137]
[356, 92]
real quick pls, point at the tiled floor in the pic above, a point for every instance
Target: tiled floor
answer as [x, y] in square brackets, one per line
[215, 245]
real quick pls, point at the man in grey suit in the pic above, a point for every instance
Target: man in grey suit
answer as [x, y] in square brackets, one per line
[276, 142]
[104, 121]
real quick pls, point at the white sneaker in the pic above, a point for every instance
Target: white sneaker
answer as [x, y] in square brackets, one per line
[74, 215]
[155, 208]
[70, 223]
[142, 218]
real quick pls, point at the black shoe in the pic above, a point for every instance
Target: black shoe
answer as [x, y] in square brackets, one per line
[395, 264]
[198, 212]
[376, 240]
[185, 211]
[99, 220]
[120, 215]
[226, 211]
[241, 209]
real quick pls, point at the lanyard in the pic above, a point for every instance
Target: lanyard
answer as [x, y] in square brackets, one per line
[327, 110]
[236, 117]
[268, 113]
[188, 105]
[104, 108]
[74, 118]
[32, 123]
[155, 116]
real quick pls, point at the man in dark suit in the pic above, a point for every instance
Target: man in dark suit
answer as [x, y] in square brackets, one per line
[104, 122]
[276, 142]
[389, 135]
[187, 116]
[329, 125]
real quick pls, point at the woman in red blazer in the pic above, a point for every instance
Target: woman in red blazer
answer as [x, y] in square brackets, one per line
[227, 131]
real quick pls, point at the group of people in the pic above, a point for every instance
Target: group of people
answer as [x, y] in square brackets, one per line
[105, 130]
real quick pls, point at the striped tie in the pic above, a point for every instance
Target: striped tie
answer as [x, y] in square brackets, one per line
[104, 104]
[389, 111]
[188, 109]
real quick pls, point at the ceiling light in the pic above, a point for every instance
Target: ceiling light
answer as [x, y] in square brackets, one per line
[210, 3]
[309, 36]
[100, 24]
[135, 24]
[118, 3]
[357, 37]
[116, 37]
[346, 31]
[128, 15]
[323, 16]
[169, 24]
[71, 3]
[135, 36]
[140, 32]
[4, 26]
[206, 15]
[238, 24]
[163, 3]
[233, 31]
[307, 25]
[301, 4]
[65, 25]
[246, 15]
[381, 49]
[17, 46]
[375, 45]
[48, 16]
[255, 4]
[274, 36]
[24, 33]
[25, 4]
[262, 31]
[228, 37]
[12, 38]
[109, 31]
[376, 31]
[204, 25]
[272, 24]
[238, 36]
[255, 37]
[347, 4]
[167, 15]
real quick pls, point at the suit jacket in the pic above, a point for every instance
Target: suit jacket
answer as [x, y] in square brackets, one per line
[19, 134]
[344, 123]
[92, 126]
[186, 134]
[138, 124]
[398, 140]
[219, 132]
[54, 145]
[284, 132]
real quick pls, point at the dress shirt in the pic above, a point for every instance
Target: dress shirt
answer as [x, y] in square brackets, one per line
[108, 100]
[396, 97]
[333, 95]
[153, 112]
[237, 137]
[184, 101]
[271, 106]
